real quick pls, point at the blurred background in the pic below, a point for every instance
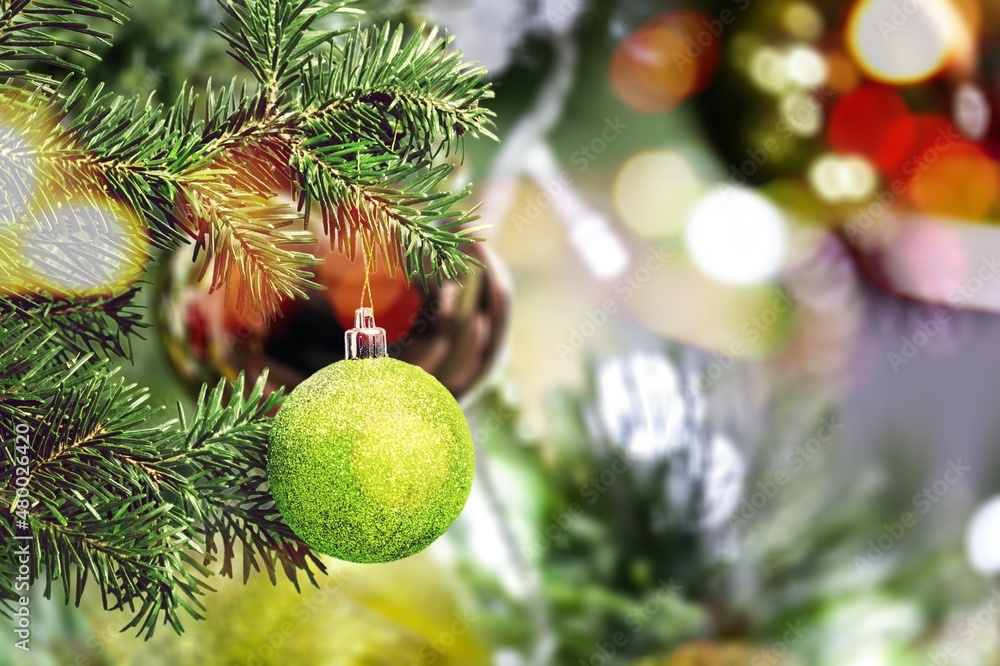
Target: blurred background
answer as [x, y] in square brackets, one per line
[732, 366]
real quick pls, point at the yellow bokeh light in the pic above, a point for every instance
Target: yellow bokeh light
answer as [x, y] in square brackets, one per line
[905, 42]
[806, 67]
[769, 70]
[841, 179]
[84, 248]
[655, 191]
[736, 236]
[803, 21]
[803, 115]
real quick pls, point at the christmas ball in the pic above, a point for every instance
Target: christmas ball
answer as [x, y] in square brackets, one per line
[370, 460]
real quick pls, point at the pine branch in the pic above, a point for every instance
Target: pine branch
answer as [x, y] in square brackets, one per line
[115, 523]
[351, 120]
[32, 30]
[31, 373]
[274, 39]
[103, 326]
[150, 502]
[413, 223]
[361, 118]
[245, 236]
[415, 95]
[227, 442]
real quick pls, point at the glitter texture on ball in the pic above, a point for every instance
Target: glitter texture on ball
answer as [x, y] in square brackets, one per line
[370, 460]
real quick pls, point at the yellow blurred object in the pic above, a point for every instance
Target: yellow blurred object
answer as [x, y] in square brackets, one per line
[802, 20]
[386, 615]
[707, 653]
[841, 74]
[655, 192]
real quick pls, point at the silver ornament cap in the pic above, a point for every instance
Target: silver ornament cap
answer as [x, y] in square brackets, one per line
[365, 340]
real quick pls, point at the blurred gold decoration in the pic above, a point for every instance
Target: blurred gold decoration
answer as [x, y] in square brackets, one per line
[409, 612]
[707, 653]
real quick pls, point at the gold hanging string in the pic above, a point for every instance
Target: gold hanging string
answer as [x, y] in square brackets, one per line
[369, 260]
[369, 254]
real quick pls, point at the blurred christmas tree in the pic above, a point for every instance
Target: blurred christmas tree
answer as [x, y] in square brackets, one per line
[353, 118]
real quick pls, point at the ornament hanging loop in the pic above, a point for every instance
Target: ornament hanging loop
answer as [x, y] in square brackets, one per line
[365, 340]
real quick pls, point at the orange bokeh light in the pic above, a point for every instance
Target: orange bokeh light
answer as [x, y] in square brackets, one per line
[962, 182]
[663, 63]
[841, 74]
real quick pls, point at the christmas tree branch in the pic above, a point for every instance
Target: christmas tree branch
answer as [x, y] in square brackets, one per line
[227, 442]
[101, 326]
[151, 504]
[367, 114]
[352, 120]
[33, 31]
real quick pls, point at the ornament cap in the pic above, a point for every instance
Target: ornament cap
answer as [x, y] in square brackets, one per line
[365, 340]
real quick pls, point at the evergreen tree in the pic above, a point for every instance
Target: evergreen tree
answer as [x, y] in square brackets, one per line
[353, 119]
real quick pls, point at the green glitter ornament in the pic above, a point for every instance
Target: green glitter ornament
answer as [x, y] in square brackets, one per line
[370, 459]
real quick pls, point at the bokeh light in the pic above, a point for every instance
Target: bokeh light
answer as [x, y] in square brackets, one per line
[666, 61]
[910, 143]
[19, 174]
[736, 236]
[802, 21]
[802, 115]
[806, 67]
[769, 71]
[842, 75]
[655, 191]
[961, 182]
[981, 542]
[859, 122]
[839, 179]
[971, 111]
[85, 248]
[905, 45]
[924, 258]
